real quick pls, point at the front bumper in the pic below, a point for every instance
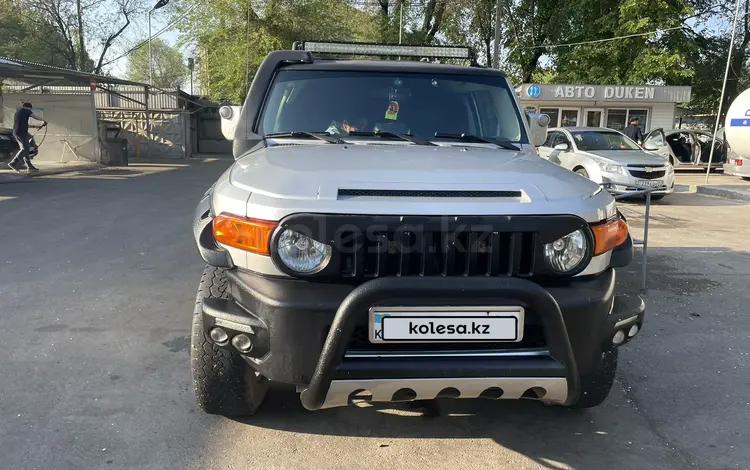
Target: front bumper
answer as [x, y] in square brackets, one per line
[302, 333]
[619, 185]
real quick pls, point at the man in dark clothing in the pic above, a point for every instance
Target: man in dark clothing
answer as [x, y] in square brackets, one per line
[634, 131]
[21, 133]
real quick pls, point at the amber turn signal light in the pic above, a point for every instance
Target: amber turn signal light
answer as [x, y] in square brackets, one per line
[241, 232]
[609, 235]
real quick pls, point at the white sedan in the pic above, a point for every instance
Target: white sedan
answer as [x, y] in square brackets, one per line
[609, 158]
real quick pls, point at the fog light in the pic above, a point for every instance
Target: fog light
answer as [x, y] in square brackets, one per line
[218, 335]
[633, 331]
[242, 343]
[618, 338]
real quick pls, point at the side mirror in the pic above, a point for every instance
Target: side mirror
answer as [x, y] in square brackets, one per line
[563, 147]
[650, 147]
[230, 116]
[538, 127]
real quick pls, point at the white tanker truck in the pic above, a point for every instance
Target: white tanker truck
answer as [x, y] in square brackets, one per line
[737, 137]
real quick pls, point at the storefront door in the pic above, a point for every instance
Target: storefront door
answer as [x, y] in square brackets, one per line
[594, 117]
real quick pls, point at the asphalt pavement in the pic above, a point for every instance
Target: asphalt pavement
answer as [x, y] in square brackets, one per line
[98, 281]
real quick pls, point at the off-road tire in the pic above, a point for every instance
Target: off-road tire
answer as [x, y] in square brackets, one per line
[595, 387]
[224, 383]
[582, 172]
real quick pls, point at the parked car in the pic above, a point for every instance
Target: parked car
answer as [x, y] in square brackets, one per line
[429, 253]
[610, 158]
[685, 147]
[9, 145]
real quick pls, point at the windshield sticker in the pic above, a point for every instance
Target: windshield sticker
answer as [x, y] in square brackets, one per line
[579, 137]
[392, 112]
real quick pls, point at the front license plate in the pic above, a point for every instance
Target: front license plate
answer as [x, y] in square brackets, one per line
[446, 324]
[650, 183]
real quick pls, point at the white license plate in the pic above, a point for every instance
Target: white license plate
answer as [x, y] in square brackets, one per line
[650, 183]
[446, 324]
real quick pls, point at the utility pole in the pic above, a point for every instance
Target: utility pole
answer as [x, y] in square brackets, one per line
[80, 35]
[159, 4]
[496, 45]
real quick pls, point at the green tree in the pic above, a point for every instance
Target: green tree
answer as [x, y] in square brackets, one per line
[233, 36]
[169, 68]
[25, 39]
[88, 29]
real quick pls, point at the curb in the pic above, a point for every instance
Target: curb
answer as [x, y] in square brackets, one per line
[721, 192]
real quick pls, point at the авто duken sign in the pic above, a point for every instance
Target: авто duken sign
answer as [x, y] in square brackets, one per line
[609, 92]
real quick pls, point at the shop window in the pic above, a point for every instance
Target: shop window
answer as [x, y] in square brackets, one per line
[554, 116]
[641, 114]
[617, 119]
[569, 118]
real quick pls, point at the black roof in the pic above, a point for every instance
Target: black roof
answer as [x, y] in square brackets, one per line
[402, 66]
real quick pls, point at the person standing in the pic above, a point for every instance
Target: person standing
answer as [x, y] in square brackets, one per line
[634, 131]
[21, 134]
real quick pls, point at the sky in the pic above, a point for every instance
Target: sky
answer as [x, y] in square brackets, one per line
[137, 33]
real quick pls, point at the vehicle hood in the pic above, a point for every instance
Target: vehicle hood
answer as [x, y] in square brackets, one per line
[309, 178]
[629, 157]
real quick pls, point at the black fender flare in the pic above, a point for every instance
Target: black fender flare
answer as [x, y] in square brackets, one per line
[208, 249]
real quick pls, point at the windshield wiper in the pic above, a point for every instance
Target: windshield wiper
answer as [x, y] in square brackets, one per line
[506, 144]
[406, 137]
[309, 135]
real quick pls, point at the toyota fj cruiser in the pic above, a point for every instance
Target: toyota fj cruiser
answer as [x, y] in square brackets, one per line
[388, 228]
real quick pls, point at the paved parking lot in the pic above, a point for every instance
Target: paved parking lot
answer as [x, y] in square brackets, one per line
[98, 281]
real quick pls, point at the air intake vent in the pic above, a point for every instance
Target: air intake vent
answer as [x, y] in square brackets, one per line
[420, 193]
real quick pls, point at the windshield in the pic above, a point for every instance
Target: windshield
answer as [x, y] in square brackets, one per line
[345, 102]
[598, 140]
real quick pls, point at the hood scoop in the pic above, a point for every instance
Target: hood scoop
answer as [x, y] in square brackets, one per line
[427, 193]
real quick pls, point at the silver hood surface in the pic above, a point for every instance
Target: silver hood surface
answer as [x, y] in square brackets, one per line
[307, 178]
[629, 157]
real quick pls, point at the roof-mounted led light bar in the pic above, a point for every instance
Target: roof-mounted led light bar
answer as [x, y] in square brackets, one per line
[373, 49]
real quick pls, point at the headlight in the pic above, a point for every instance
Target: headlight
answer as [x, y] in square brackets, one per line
[301, 253]
[567, 253]
[611, 168]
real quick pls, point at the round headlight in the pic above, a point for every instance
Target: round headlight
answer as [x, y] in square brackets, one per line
[301, 253]
[567, 253]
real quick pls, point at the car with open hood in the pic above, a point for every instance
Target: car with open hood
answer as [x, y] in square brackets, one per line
[611, 159]
[388, 230]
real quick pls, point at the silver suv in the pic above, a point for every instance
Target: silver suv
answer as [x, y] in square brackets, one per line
[388, 230]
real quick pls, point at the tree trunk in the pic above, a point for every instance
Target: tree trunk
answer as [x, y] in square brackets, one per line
[384, 20]
[530, 66]
[80, 36]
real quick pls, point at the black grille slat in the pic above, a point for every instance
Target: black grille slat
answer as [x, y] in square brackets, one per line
[471, 259]
[382, 255]
[404, 248]
[359, 256]
[494, 261]
[434, 253]
[427, 193]
[647, 175]
[424, 256]
[449, 261]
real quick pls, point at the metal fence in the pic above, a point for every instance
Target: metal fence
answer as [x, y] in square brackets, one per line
[126, 97]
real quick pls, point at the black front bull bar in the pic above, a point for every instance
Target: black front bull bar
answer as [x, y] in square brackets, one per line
[365, 296]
